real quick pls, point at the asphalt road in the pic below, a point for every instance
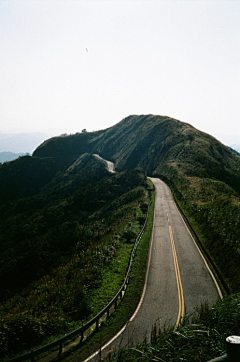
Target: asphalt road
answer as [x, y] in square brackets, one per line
[110, 165]
[177, 280]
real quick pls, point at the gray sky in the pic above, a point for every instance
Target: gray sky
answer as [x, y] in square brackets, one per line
[74, 64]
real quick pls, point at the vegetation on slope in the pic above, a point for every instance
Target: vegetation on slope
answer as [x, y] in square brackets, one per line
[25, 177]
[204, 174]
[213, 209]
[160, 145]
[128, 304]
[56, 248]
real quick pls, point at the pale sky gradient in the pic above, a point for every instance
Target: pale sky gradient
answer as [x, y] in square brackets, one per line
[74, 64]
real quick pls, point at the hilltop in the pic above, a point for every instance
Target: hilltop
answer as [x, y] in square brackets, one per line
[202, 172]
[160, 145]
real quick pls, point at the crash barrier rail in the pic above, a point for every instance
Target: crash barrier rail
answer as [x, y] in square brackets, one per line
[223, 358]
[95, 320]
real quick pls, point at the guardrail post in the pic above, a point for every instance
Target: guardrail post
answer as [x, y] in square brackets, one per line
[32, 356]
[81, 337]
[223, 358]
[233, 348]
[60, 350]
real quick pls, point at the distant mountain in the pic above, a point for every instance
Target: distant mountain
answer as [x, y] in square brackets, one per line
[21, 142]
[9, 156]
[236, 148]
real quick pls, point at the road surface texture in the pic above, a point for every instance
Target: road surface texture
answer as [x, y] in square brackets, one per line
[177, 279]
[110, 165]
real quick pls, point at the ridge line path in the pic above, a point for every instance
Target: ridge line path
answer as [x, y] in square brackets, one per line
[177, 278]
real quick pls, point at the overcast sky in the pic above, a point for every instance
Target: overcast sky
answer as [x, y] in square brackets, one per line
[74, 64]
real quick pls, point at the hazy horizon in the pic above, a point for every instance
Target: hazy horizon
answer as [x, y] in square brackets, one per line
[69, 65]
[27, 142]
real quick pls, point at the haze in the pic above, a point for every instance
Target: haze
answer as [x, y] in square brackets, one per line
[69, 65]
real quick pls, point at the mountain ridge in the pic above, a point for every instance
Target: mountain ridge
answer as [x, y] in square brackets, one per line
[160, 145]
[61, 212]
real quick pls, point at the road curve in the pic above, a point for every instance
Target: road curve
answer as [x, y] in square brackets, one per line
[110, 165]
[177, 279]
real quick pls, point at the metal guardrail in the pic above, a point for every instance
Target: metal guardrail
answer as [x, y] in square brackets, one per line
[223, 358]
[95, 320]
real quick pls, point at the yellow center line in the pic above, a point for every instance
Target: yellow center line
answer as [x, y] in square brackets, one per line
[179, 283]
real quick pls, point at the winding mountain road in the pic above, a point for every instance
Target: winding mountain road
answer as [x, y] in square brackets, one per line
[110, 165]
[177, 279]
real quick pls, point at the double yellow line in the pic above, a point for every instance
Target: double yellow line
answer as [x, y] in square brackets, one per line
[179, 283]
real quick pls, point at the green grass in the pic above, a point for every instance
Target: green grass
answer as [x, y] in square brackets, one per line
[112, 279]
[201, 239]
[74, 291]
[199, 340]
[201, 337]
[213, 211]
[128, 305]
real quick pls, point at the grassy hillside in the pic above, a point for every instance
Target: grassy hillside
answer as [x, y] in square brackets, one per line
[160, 145]
[194, 163]
[25, 176]
[213, 209]
[200, 339]
[61, 211]
[56, 247]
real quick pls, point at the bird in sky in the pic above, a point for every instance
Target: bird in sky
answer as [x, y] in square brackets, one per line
[86, 50]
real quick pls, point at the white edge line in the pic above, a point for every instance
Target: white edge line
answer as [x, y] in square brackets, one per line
[205, 262]
[140, 302]
[146, 277]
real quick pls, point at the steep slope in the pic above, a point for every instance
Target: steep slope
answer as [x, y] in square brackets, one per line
[67, 148]
[59, 207]
[204, 174]
[25, 176]
[59, 247]
[198, 166]
[160, 145]
[165, 146]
